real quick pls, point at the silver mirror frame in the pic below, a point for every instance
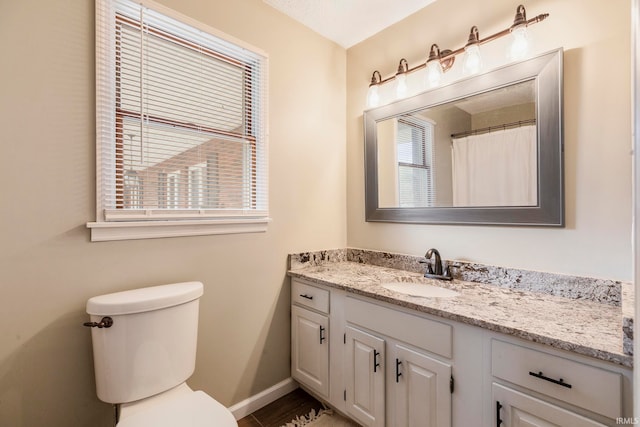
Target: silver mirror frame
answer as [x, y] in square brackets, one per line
[546, 71]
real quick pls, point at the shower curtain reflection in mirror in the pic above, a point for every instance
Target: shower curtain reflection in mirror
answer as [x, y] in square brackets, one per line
[496, 169]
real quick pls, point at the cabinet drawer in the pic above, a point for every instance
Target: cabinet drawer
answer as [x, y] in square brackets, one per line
[427, 334]
[518, 409]
[309, 296]
[586, 386]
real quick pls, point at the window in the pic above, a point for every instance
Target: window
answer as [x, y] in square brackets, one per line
[181, 138]
[415, 165]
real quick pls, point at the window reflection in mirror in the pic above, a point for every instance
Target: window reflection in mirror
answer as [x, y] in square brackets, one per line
[478, 151]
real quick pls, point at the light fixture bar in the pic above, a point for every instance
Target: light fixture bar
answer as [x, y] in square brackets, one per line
[447, 56]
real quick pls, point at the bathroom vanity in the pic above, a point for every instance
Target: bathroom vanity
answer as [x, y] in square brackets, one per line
[486, 356]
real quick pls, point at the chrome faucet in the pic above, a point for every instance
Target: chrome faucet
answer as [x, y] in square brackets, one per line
[436, 268]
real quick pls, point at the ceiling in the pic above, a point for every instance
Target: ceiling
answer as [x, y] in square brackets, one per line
[517, 94]
[348, 22]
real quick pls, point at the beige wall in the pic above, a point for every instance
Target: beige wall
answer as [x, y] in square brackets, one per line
[387, 170]
[48, 267]
[596, 37]
[447, 120]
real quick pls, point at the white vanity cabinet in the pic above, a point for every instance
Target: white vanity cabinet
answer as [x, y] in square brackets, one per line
[392, 382]
[386, 365]
[418, 387]
[310, 337]
[536, 388]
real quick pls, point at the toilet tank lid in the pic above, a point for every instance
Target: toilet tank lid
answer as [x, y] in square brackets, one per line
[144, 299]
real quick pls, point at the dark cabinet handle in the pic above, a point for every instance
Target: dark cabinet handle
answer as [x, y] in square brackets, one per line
[322, 337]
[306, 296]
[398, 373]
[375, 360]
[498, 419]
[551, 380]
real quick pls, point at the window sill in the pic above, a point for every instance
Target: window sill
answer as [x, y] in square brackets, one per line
[134, 230]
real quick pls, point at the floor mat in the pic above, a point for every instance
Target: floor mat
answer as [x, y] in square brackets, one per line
[323, 418]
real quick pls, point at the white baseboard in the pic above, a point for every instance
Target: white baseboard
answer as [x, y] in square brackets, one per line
[255, 402]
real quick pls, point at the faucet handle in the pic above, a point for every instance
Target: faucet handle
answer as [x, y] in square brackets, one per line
[429, 263]
[446, 269]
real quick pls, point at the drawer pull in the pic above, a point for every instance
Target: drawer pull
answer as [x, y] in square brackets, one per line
[306, 296]
[551, 380]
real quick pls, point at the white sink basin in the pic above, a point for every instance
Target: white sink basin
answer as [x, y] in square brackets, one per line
[420, 290]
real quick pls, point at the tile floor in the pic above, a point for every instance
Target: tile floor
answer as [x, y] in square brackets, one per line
[283, 410]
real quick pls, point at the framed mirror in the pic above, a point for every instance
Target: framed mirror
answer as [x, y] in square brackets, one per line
[483, 150]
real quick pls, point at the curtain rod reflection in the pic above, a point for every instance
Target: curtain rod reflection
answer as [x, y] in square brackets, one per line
[493, 128]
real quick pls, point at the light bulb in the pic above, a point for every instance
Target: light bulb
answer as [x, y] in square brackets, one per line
[472, 59]
[373, 98]
[433, 74]
[401, 85]
[520, 43]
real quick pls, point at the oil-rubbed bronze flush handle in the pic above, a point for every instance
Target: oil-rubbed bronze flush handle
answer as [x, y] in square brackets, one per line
[105, 322]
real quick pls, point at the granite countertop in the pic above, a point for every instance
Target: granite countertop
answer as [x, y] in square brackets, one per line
[581, 326]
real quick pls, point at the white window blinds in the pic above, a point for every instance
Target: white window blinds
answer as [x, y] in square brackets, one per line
[180, 118]
[415, 164]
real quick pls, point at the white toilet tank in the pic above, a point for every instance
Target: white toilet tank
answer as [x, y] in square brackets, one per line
[151, 345]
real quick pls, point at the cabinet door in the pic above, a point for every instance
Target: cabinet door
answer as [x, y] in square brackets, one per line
[515, 409]
[365, 377]
[310, 349]
[422, 389]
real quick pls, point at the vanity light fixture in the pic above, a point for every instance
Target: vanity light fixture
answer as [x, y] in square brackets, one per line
[472, 59]
[439, 61]
[437, 65]
[373, 97]
[401, 79]
[520, 43]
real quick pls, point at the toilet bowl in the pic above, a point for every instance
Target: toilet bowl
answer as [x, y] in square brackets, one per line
[144, 349]
[178, 407]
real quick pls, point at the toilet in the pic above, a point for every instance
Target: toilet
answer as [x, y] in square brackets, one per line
[144, 350]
